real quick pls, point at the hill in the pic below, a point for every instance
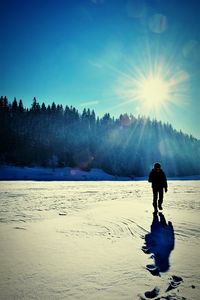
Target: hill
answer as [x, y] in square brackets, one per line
[53, 136]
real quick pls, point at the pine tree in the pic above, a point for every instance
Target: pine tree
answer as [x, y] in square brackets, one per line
[21, 106]
[14, 106]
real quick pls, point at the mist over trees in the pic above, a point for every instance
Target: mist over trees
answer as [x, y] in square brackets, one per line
[57, 136]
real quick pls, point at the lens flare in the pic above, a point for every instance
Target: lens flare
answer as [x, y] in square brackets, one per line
[158, 23]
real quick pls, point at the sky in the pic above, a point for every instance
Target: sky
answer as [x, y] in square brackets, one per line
[106, 55]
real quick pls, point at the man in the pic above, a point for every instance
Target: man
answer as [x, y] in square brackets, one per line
[159, 182]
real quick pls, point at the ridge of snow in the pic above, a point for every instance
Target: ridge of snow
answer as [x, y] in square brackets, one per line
[67, 173]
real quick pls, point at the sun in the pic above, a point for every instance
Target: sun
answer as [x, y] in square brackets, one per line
[152, 87]
[153, 91]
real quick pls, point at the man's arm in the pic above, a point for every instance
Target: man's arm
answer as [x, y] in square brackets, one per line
[165, 182]
[150, 177]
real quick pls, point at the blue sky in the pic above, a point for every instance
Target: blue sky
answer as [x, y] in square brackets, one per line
[90, 53]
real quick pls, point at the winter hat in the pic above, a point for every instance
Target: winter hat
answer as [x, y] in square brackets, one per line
[157, 165]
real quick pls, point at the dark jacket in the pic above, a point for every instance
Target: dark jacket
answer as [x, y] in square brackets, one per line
[158, 179]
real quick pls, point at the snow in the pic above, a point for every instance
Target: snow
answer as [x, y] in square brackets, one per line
[83, 240]
[56, 174]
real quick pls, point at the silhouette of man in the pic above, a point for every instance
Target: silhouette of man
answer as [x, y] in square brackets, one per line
[158, 180]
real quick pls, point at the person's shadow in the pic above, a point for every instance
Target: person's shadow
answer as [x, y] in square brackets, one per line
[159, 242]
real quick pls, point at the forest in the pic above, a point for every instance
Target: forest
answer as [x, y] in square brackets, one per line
[57, 136]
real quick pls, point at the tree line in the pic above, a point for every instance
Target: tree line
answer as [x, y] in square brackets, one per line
[57, 136]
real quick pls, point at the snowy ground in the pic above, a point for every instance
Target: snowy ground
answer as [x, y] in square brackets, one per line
[83, 240]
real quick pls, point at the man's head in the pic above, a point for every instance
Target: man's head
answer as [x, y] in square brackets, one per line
[157, 167]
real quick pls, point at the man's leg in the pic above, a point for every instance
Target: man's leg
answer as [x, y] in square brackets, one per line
[160, 200]
[155, 198]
